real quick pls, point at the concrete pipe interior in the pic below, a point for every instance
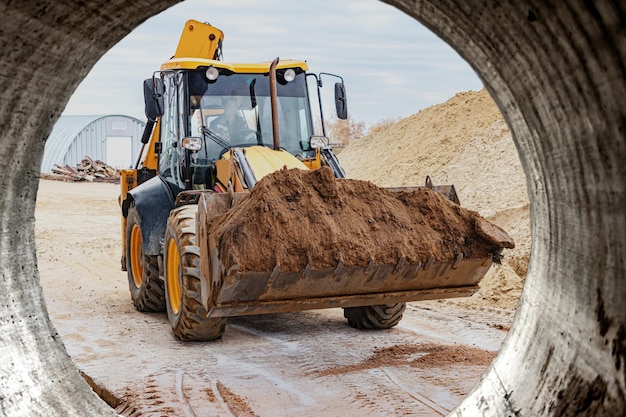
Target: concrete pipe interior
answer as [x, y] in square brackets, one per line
[556, 69]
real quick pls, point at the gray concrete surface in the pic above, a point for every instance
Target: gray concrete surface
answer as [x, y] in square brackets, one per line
[557, 71]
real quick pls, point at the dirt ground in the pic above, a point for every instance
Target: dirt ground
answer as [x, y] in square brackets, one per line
[308, 363]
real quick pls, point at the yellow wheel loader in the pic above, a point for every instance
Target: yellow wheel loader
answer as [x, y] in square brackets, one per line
[215, 130]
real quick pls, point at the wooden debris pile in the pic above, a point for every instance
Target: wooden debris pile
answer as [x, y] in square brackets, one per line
[87, 170]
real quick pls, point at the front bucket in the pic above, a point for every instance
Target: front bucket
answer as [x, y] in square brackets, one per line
[298, 243]
[280, 291]
[447, 190]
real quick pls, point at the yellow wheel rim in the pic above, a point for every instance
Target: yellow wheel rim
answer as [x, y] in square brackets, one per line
[136, 249]
[173, 283]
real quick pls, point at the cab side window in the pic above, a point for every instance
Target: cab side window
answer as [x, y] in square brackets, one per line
[170, 129]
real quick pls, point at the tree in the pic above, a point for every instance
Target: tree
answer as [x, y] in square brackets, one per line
[341, 132]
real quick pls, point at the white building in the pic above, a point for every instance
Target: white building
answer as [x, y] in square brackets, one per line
[114, 139]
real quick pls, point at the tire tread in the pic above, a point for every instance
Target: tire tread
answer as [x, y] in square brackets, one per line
[191, 323]
[376, 317]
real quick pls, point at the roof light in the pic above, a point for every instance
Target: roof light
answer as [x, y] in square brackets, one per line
[212, 73]
[290, 75]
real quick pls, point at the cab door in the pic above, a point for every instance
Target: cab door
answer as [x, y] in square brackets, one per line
[172, 131]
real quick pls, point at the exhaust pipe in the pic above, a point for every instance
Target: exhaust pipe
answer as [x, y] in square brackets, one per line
[274, 104]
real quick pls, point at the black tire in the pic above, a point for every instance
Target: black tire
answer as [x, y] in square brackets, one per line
[376, 317]
[146, 288]
[181, 263]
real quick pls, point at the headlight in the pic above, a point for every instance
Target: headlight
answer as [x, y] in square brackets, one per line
[289, 75]
[212, 73]
[192, 143]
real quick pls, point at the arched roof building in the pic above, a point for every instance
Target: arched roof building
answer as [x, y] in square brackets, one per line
[114, 139]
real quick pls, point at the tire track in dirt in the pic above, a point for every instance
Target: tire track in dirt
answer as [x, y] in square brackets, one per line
[182, 397]
[363, 394]
[371, 388]
[444, 322]
[305, 357]
[419, 397]
[178, 393]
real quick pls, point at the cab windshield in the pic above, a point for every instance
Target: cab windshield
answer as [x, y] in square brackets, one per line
[234, 110]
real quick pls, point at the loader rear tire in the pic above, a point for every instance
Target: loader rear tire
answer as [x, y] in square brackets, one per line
[146, 288]
[376, 317]
[181, 262]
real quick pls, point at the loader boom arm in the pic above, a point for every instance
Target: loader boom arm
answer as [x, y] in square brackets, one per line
[200, 40]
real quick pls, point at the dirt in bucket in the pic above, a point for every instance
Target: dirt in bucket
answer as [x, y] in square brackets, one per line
[296, 217]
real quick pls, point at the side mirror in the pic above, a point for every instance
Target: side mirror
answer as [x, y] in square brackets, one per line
[317, 141]
[341, 101]
[153, 91]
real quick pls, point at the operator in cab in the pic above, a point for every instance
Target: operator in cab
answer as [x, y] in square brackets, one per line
[229, 122]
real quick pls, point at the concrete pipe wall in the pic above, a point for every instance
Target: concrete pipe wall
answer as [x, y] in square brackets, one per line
[556, 70]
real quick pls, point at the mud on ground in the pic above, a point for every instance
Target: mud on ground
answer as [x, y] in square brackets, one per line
[310, 363]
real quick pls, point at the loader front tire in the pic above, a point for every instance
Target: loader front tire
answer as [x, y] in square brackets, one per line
[146, 288]
[376, 317]
[181, 262]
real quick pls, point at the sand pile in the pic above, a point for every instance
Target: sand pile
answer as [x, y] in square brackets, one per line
[296, 217]
[464, 142]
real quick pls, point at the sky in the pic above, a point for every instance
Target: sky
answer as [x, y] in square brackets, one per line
[392, 66]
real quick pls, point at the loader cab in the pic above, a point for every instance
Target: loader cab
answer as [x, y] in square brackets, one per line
[209, 109]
